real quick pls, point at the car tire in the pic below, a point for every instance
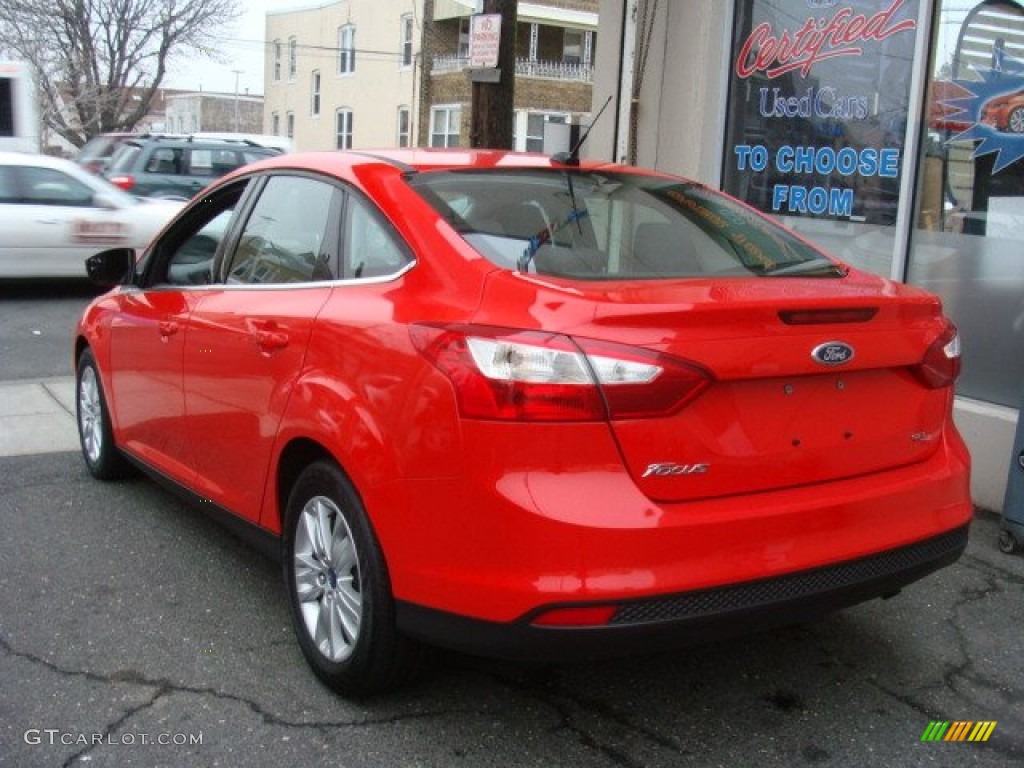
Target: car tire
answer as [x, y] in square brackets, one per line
[338, 587]
[95, 435]
[1015, 120]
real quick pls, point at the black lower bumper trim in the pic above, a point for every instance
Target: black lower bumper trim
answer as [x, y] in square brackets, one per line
[653, 624]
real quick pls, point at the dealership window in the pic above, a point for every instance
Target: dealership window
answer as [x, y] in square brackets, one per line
[403, 127]
[406, 42]
[346, 49]
[445, 123]
[967, 241]
[816, 138]
[314, 93]
[293, 58]
[277, 61]
[343, 128]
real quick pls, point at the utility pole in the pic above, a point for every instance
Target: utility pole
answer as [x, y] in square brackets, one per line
[493, 113]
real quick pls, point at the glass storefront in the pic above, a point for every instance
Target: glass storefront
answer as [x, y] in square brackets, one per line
[820, 96]
[967, 244]
[817, 117]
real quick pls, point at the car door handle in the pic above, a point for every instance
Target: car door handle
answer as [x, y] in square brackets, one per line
[271, 340]
[167, 328]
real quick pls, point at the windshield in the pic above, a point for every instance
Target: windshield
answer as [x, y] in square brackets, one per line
[613, 226]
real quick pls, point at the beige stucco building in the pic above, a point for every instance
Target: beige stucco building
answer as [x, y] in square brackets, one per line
[387, 73]
[343, 74]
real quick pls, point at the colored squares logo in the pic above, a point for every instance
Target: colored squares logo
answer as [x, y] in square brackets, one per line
[958, 730]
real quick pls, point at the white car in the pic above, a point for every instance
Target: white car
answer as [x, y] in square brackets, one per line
[54, 215]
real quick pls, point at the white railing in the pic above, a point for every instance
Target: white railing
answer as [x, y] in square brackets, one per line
[550, 70]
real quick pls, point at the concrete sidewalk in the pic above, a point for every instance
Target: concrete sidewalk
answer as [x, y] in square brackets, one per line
[37, 416]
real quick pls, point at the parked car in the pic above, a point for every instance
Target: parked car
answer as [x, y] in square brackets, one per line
[525, 407]
[95, 154]
[177, 167]
[54, 215]
[1005, 112]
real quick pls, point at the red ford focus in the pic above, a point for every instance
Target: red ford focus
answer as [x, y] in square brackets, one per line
[526, 408]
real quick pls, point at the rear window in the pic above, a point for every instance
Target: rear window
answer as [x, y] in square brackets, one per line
[613, 226]
[124, 158]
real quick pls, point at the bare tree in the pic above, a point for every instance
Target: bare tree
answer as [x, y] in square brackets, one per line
[99, 63]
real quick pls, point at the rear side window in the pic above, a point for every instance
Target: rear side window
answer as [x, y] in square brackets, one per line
[614, 226]
[124, 158]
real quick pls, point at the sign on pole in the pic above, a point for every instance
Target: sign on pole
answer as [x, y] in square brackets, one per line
[484, 35]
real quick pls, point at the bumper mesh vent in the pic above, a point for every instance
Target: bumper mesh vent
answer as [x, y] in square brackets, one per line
[796, 586]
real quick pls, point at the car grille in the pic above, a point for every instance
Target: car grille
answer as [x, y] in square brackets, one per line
[796, 586]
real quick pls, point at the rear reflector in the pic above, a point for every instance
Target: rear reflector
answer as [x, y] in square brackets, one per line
[589, 616]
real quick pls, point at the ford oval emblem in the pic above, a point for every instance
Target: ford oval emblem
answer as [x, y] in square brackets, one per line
[833, 353]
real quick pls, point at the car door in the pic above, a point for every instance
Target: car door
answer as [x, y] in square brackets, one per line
[246, 339]
[49, 223]
[147, 339]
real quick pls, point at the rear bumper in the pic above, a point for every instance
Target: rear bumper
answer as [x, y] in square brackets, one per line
[670, 621]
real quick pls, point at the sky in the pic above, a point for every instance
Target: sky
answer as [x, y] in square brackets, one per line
[242, 49]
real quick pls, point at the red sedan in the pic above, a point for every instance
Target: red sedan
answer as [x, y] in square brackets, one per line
[1005, 113]
[526, 407]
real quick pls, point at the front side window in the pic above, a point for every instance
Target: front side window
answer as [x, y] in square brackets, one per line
[343, 129]
[406, 42]
[346, 49]
[445, 123]
[46, 186]
[314, 93]
[606, 226]
[285, 239]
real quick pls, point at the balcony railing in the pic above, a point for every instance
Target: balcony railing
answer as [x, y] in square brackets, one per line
[549, 70]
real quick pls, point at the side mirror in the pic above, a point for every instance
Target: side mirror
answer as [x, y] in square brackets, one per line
[111, 267]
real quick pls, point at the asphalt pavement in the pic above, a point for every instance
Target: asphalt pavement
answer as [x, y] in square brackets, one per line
[136, 631]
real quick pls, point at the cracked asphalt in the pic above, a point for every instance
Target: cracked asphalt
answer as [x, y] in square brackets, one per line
[127, 617]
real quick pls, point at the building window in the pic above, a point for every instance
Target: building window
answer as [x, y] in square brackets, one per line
[533, 136]
[346, 49]
[444, 126]
[277, 61]
[572, 46]
[293, 58]
[464, 37]
[290, 123]
[275, 124]
[343, 129]
[314, 93]
[403, 127]
[407, 40]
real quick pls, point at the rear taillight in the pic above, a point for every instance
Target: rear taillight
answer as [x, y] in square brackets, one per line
[124, 181]
[941, 364]
[512, 375]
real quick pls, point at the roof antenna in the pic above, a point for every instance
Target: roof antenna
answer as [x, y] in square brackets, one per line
[572, 157]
